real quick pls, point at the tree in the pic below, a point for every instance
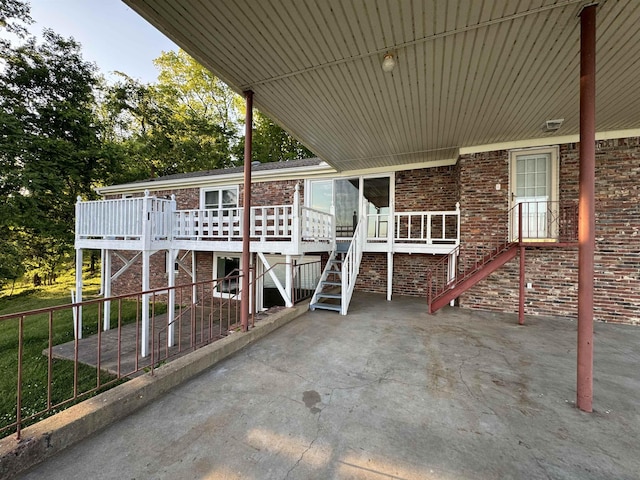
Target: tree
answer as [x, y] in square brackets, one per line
[14, 16]
[49, 143]
[273, 144]
[186, 122]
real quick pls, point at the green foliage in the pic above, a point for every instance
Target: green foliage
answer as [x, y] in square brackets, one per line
[14, 16]
[49, 145]
[273, 144]
[64, 131]
[184, 123]
[11, 258]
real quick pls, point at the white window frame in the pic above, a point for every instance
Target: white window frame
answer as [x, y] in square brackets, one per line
[214, 274]
[554, 196]
[205, 190]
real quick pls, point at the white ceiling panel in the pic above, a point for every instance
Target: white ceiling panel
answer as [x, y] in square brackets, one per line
[469, 72]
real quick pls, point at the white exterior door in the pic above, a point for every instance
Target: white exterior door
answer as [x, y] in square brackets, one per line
[534, 184]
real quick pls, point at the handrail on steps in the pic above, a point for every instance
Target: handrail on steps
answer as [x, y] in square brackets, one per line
[351, 263]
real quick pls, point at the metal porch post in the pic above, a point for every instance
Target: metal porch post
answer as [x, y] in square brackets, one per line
[171, 300]
[246, 213]
[522, 268]
[586, 218]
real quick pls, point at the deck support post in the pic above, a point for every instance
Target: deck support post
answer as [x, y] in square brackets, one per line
[246, 213]
[106, 279]
[586, 207]
[389, 275]
[288, 280]
[144, 312]
[77, 324]
[194, 278]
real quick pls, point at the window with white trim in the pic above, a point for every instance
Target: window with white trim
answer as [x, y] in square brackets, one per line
[226, 265]
[219, 197]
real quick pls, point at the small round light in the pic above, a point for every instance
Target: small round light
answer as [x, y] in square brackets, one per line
[388, 63]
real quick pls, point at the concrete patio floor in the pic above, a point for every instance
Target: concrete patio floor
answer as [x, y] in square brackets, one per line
[387, 392]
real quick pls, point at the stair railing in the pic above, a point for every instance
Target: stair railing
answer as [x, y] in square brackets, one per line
[553, 221]
[351, 263]
[446, 274]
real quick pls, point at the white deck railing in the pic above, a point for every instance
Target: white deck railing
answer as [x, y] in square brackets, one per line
[429, 228]
[267, 223]
[151, 219]
[127, 218]
[316, 225]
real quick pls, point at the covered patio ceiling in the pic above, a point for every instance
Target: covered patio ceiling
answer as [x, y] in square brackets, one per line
[469, 72]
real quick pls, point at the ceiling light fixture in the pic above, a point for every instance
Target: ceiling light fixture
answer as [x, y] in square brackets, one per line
[388, 63]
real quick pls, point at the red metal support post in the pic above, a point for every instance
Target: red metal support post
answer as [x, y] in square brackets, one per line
[246, 214]
[586, 207]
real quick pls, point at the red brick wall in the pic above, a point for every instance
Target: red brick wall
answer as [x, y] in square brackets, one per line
[410, 273]
[373, 273]
[273, 193]
[427, 189]
[553, 273]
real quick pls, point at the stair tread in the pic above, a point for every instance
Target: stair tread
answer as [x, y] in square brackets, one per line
[326, 306]
[328, 282]
[329, 295]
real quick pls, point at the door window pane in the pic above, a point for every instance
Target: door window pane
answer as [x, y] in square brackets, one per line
[376, 194]
[347, 196]
[321, 195]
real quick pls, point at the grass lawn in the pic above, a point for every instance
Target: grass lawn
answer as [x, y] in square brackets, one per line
[35, 395]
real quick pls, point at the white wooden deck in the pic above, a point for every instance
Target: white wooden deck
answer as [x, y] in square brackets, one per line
[151, 224]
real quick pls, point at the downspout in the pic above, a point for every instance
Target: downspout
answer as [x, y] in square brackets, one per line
[246, 213]
[586, 207]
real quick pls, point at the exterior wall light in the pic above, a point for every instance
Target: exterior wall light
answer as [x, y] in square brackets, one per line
[388, 63]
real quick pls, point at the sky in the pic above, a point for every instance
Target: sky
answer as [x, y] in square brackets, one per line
[112, 35]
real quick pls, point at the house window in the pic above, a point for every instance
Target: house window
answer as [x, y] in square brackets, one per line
[226, 265]
[219, 198]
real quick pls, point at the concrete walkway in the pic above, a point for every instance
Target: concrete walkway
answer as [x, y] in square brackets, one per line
[387, 392]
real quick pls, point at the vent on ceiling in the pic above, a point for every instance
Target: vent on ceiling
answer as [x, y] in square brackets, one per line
[552, 125]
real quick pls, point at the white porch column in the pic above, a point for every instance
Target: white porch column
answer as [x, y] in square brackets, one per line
[77, 323]
[259, 271]
[295, 218]
[288, 280]
[194, 289]
[144, 336]
[106, 279]
[389, 275]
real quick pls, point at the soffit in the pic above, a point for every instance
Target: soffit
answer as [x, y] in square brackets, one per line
[469, 72]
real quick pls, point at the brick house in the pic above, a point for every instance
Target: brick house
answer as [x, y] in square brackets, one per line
[455, 91]
[484, 186]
